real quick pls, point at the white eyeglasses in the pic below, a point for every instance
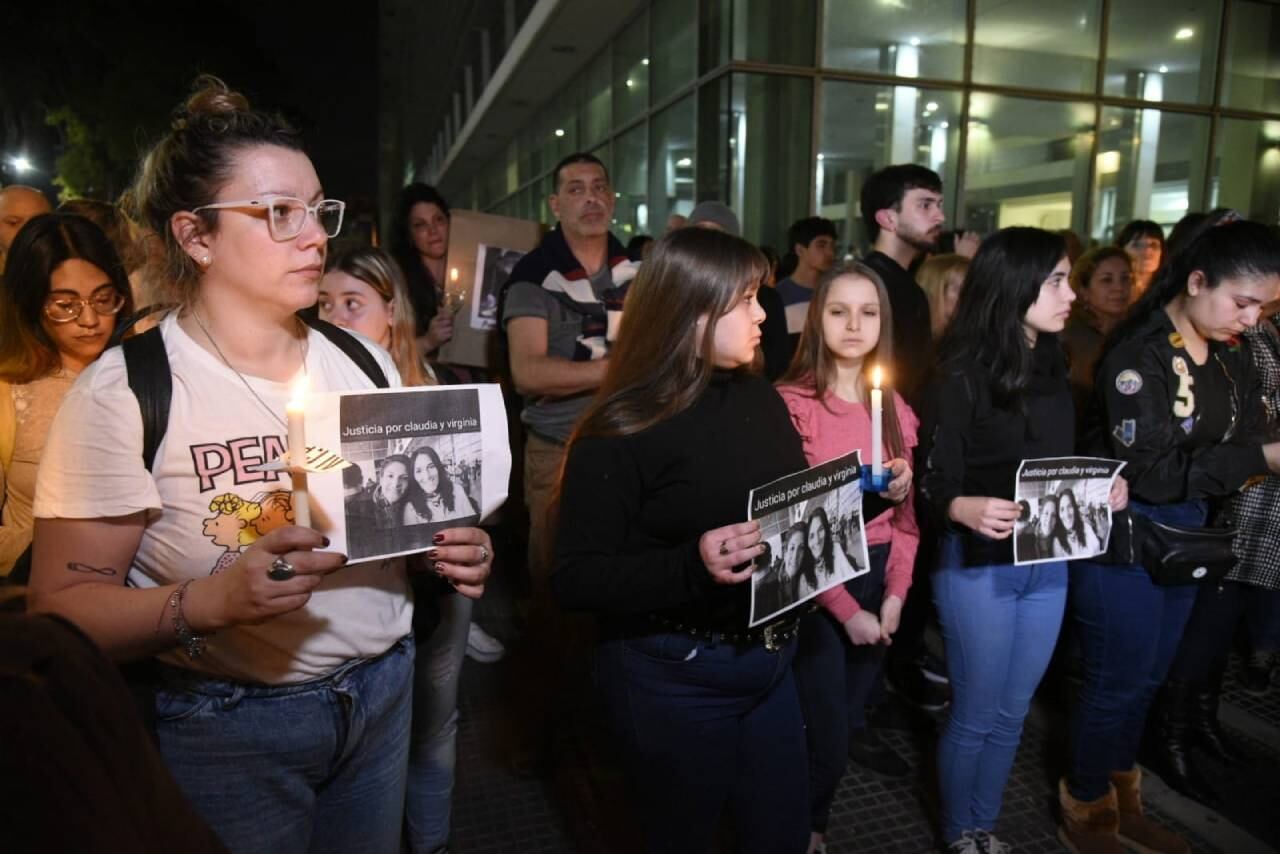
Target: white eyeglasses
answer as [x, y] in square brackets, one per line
[286, 215]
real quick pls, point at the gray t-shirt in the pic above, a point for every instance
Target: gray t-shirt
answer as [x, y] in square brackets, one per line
[553, 417]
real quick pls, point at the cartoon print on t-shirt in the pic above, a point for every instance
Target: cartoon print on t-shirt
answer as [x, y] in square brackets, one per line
[238, 524]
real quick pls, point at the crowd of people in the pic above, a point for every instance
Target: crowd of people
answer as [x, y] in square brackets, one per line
[301, 701]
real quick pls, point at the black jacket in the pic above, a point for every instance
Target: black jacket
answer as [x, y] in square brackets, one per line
[632, 508]
[1186, 431]
[969, 446]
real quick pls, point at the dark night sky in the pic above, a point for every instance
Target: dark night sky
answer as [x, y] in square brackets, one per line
[124, 66]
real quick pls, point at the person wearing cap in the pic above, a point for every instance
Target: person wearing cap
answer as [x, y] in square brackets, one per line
[774, 343]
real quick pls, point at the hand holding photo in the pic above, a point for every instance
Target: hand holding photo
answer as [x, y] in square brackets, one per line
[812, 525]
[1066, 509]
[421, 460]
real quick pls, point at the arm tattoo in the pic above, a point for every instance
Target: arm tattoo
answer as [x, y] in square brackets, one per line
[84, 567]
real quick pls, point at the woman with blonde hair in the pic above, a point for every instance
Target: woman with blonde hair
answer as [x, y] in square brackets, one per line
[280, 703]
[364, 290]
[942, 278]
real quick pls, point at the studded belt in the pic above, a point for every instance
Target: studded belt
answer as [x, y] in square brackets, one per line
[773, 636]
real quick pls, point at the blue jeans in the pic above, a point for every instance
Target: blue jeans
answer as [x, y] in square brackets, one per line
[313, 767]
[835, 679]
[707, 725]
[433, 737]
[999, 627]
[1129, 630]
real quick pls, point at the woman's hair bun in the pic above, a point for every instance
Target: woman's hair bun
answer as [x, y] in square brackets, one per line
[210, 98]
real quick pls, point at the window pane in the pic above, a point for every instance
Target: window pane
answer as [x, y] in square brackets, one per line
[1252, 80]
[630, 170]
[768, 31]
[1036, 44]
[674, 56]
[715, 142]
[1159, 54]
[1150, 166]
[631, 71]
[866, 128]
[1027, 163]
[911, 38]
[671, 162]
[595, 115]
[770, 132]
[1247, 168]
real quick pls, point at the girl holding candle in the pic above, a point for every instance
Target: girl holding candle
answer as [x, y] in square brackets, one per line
[829, 393]
[1000, 396]
[280, 706]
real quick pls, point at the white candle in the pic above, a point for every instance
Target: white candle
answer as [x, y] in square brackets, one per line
[298, 452]
[877, 424]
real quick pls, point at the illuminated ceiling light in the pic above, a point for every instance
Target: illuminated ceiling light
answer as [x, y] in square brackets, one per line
[1084, 22]
[1184, 33]
[821, 156]
[684, 162]
[1108, 162]
[630, 82]
[1164, 69]
[932, 106]
[915, 41]
[881, 106]
[559, 131]
[945, 125]
[21, 164]
[644, 61]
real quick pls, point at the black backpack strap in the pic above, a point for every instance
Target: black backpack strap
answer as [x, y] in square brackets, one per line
[148, 365]
[356, 352]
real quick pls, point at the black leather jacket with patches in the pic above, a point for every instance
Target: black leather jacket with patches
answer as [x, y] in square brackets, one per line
[1186, 431]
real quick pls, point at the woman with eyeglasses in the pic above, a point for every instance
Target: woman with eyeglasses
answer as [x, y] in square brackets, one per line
[281, 704]
[64, 287]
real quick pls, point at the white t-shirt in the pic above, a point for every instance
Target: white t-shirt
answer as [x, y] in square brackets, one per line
[205, 505]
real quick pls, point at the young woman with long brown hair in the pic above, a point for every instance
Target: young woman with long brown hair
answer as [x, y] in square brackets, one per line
[651, 536]
[847, 333]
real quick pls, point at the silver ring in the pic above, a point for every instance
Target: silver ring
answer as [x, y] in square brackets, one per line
[724, 547]
[484, 554]
[281, 570]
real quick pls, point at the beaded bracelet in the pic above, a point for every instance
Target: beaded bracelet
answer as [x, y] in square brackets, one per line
[192, 642]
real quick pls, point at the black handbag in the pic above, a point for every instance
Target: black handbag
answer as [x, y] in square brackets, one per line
[1174, 554]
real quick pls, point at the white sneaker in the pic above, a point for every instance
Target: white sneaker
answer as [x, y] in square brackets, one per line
[482, 646]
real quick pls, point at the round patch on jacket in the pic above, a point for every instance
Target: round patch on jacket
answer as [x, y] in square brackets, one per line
[1180, 366]
[1129, 381]
[1175, 339]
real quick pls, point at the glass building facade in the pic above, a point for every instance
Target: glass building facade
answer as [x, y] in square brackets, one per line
[1080, 114]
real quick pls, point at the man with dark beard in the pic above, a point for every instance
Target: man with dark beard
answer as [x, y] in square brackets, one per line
[902, 210]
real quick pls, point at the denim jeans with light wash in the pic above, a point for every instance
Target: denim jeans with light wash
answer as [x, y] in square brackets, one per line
[312, 767]
[835, 680]
[999, 627]
[433, 739]
[1129, 630]
[708, 727]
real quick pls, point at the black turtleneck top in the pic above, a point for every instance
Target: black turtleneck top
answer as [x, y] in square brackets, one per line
[971, 447]
[632, 508]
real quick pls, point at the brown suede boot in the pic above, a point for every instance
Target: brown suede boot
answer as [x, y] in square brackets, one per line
[1136, 830]
[1089, 827]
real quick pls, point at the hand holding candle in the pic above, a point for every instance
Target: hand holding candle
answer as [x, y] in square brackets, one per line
[298, 452]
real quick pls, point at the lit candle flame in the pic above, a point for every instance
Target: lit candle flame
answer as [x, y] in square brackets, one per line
[875, 376]
[298, 395]
[453, 274]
